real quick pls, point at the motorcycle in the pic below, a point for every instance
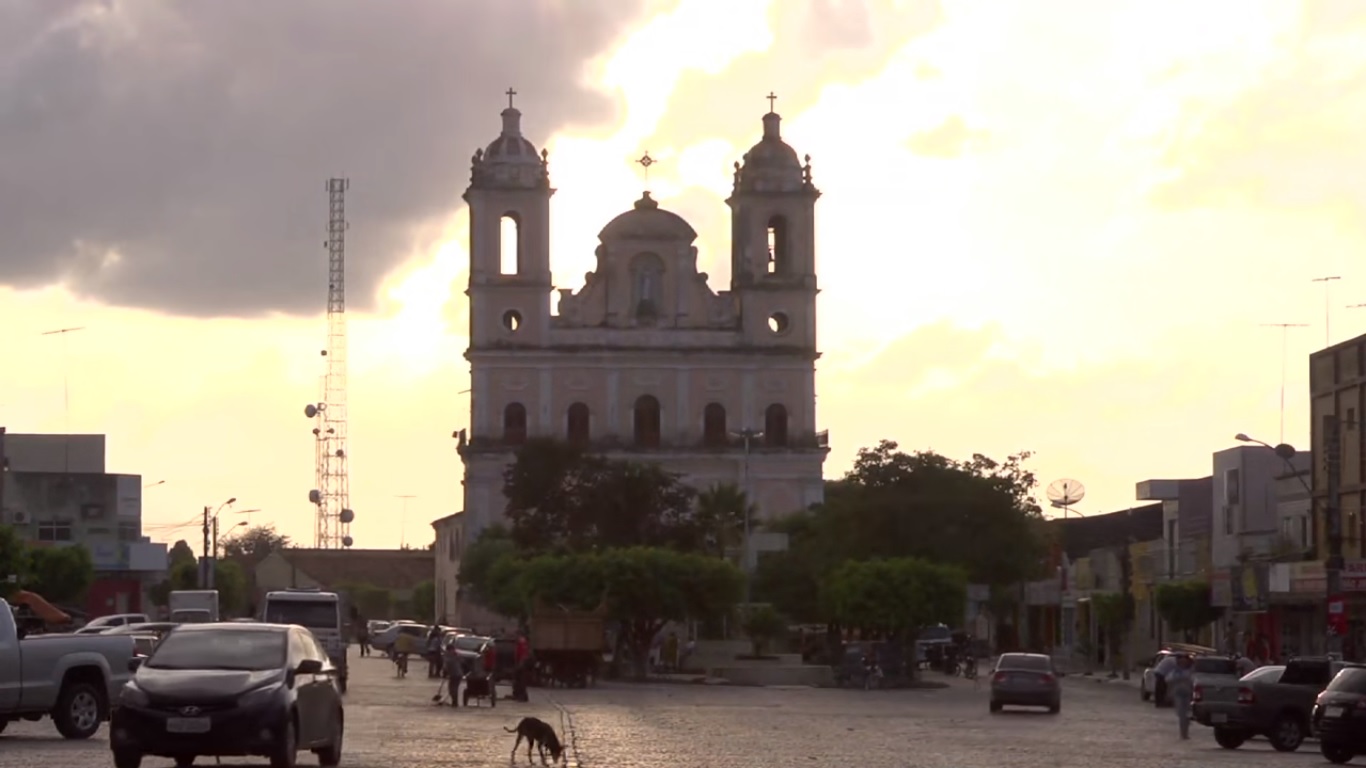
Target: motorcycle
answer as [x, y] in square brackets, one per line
[970, 668]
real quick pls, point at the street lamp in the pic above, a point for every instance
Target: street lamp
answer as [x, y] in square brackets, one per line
[217, 540]
[153, 485]
[211, 544]
[747, 435]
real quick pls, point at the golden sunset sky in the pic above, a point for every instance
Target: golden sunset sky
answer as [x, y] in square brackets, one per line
[1046, 225]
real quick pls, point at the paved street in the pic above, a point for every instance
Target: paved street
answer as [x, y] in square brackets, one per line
[392, 724]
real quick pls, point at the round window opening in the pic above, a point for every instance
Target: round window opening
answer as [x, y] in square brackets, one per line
[779, 323]
[512, 319]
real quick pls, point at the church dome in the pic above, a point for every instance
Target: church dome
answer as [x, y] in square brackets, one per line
[511, 146]
[647, 221]
[771, 164]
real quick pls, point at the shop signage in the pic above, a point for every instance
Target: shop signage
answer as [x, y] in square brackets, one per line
[1250, 587]
[1221, 589]
[1354, 576]
[1307, 578]
[1337, 616]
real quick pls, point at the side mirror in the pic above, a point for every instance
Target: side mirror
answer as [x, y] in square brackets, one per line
[135, 663]
[309, 667]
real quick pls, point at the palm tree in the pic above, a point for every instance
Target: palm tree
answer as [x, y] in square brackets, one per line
[721, 512]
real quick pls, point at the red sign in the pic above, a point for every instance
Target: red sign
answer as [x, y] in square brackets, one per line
[1337, 616]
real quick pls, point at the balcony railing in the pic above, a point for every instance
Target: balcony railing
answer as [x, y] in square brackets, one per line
[797, 442]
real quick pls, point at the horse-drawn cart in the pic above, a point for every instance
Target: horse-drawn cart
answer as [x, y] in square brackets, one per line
[566, 646]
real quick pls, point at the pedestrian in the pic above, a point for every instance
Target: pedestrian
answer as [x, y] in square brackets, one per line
[363, 635]
[1180, 685]
[521, 667]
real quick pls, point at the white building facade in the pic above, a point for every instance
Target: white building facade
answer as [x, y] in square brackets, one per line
[646, 361]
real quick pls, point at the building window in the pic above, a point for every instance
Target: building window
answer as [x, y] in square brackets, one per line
[453, 545]
[514, 423]
[576, 429]
[646, 422]
[1232, 487]
[647, 293]
[1171, 548]
[1304, 532]
[130, 531]
[714, 426]
[779, 247]
[55, 530]
[1228, 520]
[775, 425]
[510, 244]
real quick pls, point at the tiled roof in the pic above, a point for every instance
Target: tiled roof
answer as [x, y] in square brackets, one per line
[384, 568]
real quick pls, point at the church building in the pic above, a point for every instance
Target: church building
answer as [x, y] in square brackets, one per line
[646, 361]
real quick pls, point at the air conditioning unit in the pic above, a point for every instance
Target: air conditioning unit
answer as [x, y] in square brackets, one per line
[18, 517]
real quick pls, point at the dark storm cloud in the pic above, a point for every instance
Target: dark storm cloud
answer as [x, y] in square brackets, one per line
[194, 139]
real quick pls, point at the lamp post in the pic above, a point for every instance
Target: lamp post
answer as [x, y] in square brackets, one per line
[210, 545]
[1332, 514]
[747, 436]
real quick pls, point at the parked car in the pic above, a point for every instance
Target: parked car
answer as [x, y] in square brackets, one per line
[145, 628]
[384, 641]
[229, 690]
[1339, 716]
[70, 678]
[1278, 708]
[114, 620]
[1026, 680]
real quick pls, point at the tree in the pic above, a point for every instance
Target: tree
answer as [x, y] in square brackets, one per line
[477, 563]
[762, 625]
[1112, 620]
[721, 513]
[371, 601]
[1185, 606]
[14, 560]
[791, 583]
[424, 601]
[229, 580]
[60, 574]
[642, 588]
[560, 499]
[254, 543]
[180, 553]
[895, 596]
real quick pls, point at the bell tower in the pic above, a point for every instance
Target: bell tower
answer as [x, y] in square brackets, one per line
[509, 205]
[773, 249]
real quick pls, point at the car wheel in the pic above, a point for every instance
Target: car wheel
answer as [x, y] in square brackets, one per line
[995, 706]
[287, 750]
[127, 758]
[1287, 734]
[184, 761]
[341, 683]
[1228, 739]
[1055, 708]
[78, 712]
[1336, 753]
[1143, 694]
[330, 755]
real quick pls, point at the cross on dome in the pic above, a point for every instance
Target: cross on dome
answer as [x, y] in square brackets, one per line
[772, 97]
[510, 93]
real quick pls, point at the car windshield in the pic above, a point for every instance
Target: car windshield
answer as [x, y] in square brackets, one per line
[934, 634]
[1023, 662]
[1263, 675]
[1349, 680]
[314, 614]
[244, 649]
[1216, 665]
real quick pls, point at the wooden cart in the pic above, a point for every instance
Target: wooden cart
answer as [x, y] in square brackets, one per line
[566, 646]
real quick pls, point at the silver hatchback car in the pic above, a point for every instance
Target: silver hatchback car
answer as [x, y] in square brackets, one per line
[1025, 680]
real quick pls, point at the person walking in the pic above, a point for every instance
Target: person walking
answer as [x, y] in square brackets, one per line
[363, 635]
[1180, 686]
[521, 667]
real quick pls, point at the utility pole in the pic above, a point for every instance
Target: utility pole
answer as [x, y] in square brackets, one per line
[747, 435]
[204, 563]
[1327, 308]
[1332, 512]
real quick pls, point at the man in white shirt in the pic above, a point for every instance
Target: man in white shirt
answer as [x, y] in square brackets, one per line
[1160, 672]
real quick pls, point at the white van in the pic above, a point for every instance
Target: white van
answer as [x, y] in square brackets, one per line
[320, 612]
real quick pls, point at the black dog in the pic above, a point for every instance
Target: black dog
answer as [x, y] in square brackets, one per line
[538, 734]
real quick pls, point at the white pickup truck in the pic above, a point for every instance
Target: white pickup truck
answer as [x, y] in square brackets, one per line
[70, 678]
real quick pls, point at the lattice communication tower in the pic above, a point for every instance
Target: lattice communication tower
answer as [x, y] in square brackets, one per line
[331, 493]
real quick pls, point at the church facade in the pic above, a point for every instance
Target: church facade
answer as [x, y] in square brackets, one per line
[646, 361]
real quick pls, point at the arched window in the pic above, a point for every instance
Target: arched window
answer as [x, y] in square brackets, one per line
[779, 247]
[647, 287]
[714, 426]
[514, 423]
[775, 425]
[576, 428]
[646, 422]
[510, 244]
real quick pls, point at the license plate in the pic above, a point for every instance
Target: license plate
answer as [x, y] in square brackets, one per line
[187, 724]
[1332, 711]
[1219, 718]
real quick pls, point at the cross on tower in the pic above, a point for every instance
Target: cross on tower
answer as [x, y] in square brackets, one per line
[645, 162]
[510, 94]
[772, 97]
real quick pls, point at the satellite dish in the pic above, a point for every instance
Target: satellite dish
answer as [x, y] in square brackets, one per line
[310, 410]
[1064, 493]
[315, 496]
[347, 516]
[347, 541]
